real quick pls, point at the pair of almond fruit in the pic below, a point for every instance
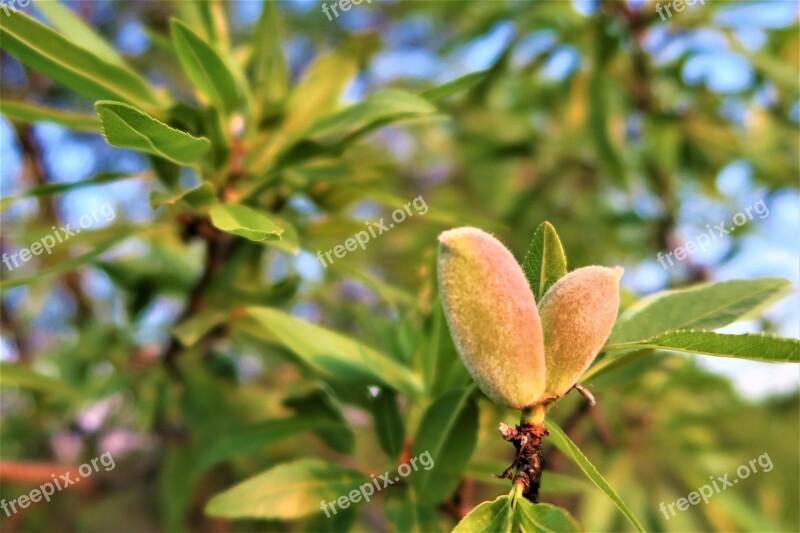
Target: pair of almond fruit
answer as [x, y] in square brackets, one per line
[520, 352]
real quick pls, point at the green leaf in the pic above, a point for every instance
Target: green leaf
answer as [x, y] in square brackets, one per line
[286, 492]
[49, 189]
[194, 328]
[25, 112]
[245, 222]
[448, 432]
[382, 107]
[315, 95]
[205, 67]
[257, 437]
[127, 127]
[453, 86]
[409, 516]
[45, 51]
[65, 266]
[271, 76]
[765, 348]
[196, 197]
[76, 30]
[320, 405]
[543, 517]
[290, 239]
[707, 306]
[569, 449]
[388, 423]
[489, 517]
[23, 377]
[545, 262]
[333, 354]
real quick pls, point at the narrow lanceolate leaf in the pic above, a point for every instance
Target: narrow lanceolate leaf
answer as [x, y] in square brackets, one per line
[389, 424]
[452, 87]
[88, 74]
[569, 449]
[127, 127]
[66, 266]
[448, 432]
[49, 189]
[25, 112]
[489, 517]
[543, 518]
[205, 67]
[406, 513]
[199, 196]
[194, 328]
[245, 222]
[271, 76]
[708, 306]
[766, 348]
[16, 375]
[315, 95]
[76, 30]
[545, 262]
[255, 438]
[333, 354]
[287, 492]
[380, 108]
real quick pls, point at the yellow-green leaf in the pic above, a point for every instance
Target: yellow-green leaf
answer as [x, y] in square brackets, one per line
[205, 67]
[86, 73]
[128, 127]
[287, 491]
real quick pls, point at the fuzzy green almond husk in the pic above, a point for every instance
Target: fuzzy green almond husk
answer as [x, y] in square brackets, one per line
[492, 316]
[577, 315]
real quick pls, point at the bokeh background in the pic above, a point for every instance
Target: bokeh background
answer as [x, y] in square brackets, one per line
[628, 132]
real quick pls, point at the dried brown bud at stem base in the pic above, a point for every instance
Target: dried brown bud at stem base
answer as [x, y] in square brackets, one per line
[529, 461]
[577, 314]
[492, 316]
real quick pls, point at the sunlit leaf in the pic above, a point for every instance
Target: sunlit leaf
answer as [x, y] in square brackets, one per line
[205, 67]
[453, 86]
[76, 30]
[334, 354]
[271, 76]
[543, 518]
[568, 448]
[245, 222]
[49, 189]
[545, 262]
[23, 377]
[488, 517]
[381, 107]
[127, 127]
[26, 112]
[287, 491]
[765, 348]
[707, 306]
[47, 52]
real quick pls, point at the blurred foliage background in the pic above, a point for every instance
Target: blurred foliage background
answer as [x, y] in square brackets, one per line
[629, 131]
